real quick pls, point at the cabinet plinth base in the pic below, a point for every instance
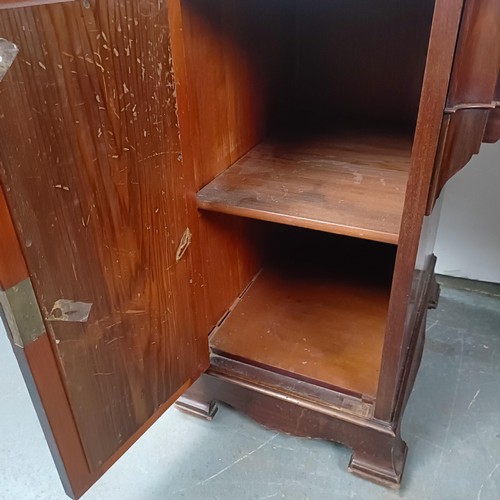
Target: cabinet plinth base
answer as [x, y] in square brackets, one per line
[384, 470]
[434, 292]
[301, 408]
[196, 408]
[379, 453]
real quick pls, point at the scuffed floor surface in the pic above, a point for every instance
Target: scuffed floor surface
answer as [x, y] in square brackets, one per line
[452, 427]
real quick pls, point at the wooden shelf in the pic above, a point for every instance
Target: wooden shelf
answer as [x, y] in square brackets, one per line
[351, 183]
[315, 325]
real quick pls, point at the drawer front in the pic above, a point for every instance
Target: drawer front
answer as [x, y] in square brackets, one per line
[477, 57]
[492, 132]
[472, 113]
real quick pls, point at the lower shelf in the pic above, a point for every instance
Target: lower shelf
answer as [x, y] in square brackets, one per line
[320, 326]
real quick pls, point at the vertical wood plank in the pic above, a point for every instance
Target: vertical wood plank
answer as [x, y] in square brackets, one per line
[435, 85]
[12, 265]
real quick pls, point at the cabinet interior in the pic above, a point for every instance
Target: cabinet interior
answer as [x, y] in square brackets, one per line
[304, 114]
[316, 311]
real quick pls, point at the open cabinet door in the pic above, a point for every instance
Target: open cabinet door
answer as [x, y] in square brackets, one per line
[96, 214]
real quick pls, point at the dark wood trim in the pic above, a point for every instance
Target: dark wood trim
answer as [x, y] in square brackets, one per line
[436, 79]
[13, 268]
[461, 137]
[472, 101]
[343, 402]
[46, 389]
[378, 450]
[37, 362]
[415, 349]
[40, 372]
[434, 292]
[492, 132]
[197, 406]
[477, 58]
[13, 4]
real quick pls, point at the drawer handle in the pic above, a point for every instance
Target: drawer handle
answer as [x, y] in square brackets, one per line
[475, 105]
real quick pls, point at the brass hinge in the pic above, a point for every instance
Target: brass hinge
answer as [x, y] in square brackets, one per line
[21, 312]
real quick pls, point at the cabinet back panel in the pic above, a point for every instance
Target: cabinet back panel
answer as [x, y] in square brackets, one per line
[362, 62]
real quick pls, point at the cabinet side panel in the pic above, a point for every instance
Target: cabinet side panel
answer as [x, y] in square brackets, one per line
[92, 170]
[432, 102]
[228, 59]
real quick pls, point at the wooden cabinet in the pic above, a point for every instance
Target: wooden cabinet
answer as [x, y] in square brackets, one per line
[219, 200]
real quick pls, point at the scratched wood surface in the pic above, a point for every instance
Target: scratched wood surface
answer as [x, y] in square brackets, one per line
[344, 183]
[92, 170]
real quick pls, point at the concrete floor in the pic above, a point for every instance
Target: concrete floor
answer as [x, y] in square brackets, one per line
[452, 427]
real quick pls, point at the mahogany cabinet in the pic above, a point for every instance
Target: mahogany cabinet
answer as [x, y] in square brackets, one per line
[231, 200]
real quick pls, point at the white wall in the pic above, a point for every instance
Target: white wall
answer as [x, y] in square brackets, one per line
[468, 238]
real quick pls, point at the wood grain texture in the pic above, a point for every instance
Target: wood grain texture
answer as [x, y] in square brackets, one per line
[11, 4]
[40, 370]
[38, 365]
[462, 134]
[92, 169]
[471, 97]
[492, 132]
[477, 59]
[237, 65]
[327, 331]
[13, 268]
[46, 387]
[307, 315]
[346, 183]
[442, 44]
[376, 444]
[224, 76]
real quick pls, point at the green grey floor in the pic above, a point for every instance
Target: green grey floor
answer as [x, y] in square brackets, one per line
[452, 427]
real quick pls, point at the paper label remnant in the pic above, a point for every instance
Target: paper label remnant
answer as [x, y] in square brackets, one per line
[8, 52]
[70, 310]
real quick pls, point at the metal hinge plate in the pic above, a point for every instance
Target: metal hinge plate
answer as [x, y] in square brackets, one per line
[21, 312]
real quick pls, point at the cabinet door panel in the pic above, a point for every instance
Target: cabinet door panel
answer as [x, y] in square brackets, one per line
[92, 172]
